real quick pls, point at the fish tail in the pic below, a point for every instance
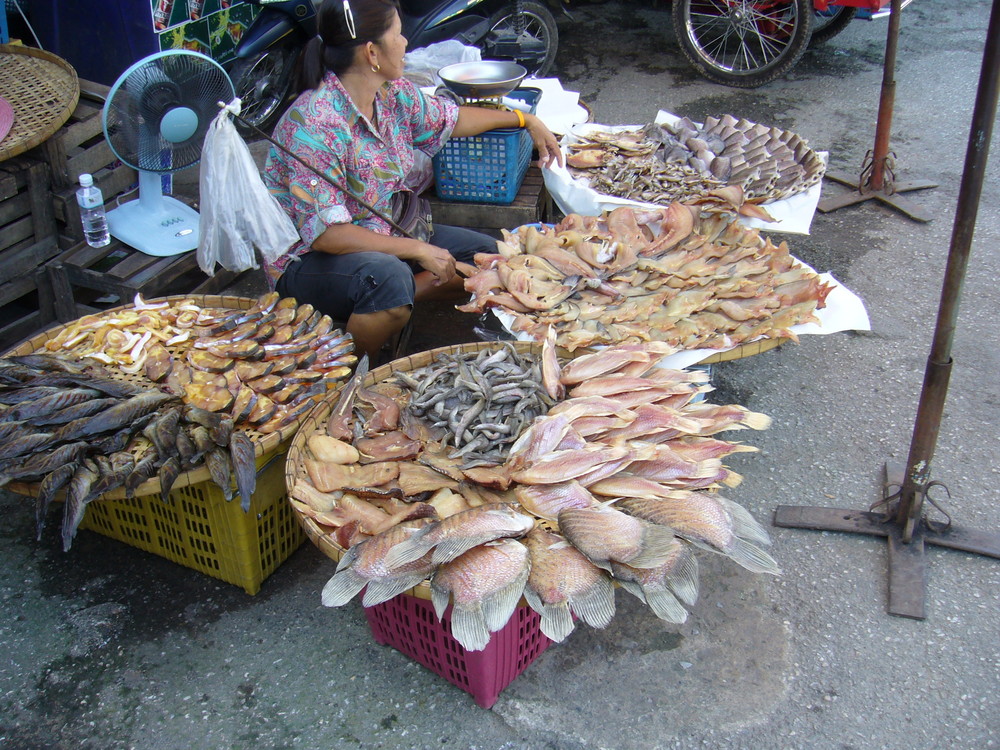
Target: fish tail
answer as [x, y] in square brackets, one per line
[707, 469]
[745, 526]
[731, 478]
[469, 628]
[556, 621]
[683, 580]
[665, 605]
[752, 558]
[383, 589]
[756, 421]
[497, 609]
[342, 588]
[597, 606]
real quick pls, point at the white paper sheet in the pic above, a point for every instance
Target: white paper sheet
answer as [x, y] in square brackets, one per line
[792, 215]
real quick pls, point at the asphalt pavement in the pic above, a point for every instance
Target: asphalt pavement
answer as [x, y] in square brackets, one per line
[109, 647]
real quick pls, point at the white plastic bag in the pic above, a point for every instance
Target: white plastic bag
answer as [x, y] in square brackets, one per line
[238, 214]
[421, 65]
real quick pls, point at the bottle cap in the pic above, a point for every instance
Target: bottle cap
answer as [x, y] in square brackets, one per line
[86, 180]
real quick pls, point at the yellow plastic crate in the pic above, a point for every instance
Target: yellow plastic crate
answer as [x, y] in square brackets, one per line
[197, 528]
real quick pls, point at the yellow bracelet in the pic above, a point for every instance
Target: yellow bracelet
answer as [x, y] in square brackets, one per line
[520, 118]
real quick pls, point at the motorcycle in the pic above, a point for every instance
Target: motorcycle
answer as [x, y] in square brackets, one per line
[747, 43]
[523, 31]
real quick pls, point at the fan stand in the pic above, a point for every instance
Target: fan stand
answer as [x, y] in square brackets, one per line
[904, 489]
[155, 224]
[877, 178]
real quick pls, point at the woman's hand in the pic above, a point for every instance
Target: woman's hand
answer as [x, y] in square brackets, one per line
[437, 260]
[544, 140]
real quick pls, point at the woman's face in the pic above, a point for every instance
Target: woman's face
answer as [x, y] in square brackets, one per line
[392, 47]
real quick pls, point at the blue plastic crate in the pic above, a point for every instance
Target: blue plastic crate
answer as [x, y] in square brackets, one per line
[489, 167]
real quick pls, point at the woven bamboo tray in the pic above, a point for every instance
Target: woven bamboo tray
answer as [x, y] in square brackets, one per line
[42, 90]
[264, 444]
[315, 422]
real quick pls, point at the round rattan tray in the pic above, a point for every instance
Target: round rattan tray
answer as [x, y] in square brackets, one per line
[315, 422]
[43, 91]
[264, 444]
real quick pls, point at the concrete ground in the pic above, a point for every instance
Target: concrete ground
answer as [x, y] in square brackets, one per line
[108, 647]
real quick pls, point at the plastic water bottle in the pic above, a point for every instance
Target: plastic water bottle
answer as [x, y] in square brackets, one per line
[95, 222]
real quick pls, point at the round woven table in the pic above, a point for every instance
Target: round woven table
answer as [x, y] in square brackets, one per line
[42, 90]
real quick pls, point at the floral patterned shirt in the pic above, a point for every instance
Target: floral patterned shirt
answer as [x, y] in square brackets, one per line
[327, 130]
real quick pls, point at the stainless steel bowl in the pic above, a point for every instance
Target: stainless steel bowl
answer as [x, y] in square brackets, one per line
[483, 79]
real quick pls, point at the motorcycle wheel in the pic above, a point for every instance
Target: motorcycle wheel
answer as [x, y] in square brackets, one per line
[830, 22]
[535, 31]
[743, 43]
[264, 82]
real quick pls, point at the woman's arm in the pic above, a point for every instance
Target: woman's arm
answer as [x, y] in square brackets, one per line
[340, 239]
[476, 120]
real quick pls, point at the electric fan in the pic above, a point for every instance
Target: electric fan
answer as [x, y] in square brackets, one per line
[155, 120]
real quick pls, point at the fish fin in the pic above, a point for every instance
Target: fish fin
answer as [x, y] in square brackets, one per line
[340, 589]
[348, 558]
[596, 607]
[556, 621]
[683, 581]
[658, 545]
[752, 558]
[439, 598]
[745, 526]
[634, 589]
[383, 589]
[498, 607]
[468, 628]
[406, 552]
[756, 421]
[732, 479]
[665, 605]
[448, 549]
[710, 467]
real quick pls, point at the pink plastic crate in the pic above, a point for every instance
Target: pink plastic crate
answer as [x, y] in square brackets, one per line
[408, 624]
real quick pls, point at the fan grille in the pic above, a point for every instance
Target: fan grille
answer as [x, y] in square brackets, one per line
[151, 89]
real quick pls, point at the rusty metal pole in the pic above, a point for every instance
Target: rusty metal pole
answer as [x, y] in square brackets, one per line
[877, 180]
[904, 527]
[886, 102]
[938, 371]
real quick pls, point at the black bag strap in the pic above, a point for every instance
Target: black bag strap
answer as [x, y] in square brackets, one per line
[319, 174]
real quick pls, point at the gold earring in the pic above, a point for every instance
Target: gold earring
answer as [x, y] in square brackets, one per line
[376, 68]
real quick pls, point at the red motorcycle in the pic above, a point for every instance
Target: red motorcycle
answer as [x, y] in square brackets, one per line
[747, 43]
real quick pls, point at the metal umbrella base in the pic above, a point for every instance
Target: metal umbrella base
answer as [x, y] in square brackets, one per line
[907, 562]
[889, 195]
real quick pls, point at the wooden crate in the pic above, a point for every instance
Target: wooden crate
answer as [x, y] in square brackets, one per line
[80, 147]
[532, 204]
[27, 241]
[83, 275]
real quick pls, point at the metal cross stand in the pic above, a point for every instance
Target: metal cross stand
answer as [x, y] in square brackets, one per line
[877, 180]
[904, 490]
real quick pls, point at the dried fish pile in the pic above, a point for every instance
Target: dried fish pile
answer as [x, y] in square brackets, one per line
[264, 366]
[482, 401]
[767, 162]
[615, 483]
[663, 163]
[75, 427]
[684, 276]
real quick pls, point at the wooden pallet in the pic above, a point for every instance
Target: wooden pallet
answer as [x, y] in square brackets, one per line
[82, 275]
[27, 241]
[532, 204]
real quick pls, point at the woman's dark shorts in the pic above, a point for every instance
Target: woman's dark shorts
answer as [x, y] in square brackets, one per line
[339, 285]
